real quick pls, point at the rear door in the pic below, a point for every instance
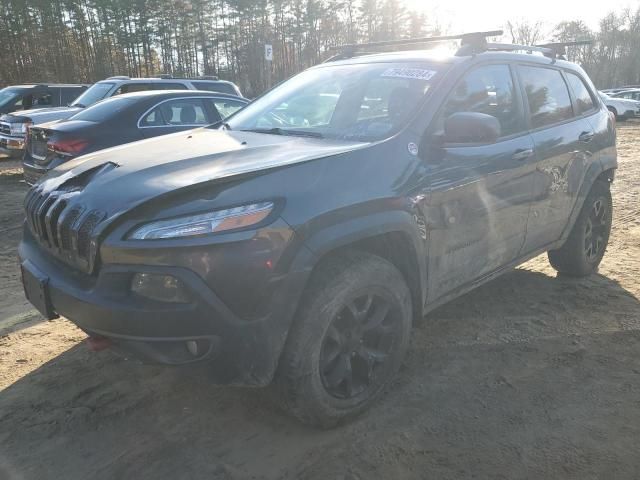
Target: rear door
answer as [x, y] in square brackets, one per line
[480, 193]
[563, 139]
[175, 115]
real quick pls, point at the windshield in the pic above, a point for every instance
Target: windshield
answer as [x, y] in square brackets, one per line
[363, 102]
[7, 95]
[93, 94]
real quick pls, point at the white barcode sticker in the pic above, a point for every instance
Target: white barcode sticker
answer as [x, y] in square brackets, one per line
[412, 73]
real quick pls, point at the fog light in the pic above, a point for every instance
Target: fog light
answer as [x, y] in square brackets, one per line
[163, 288]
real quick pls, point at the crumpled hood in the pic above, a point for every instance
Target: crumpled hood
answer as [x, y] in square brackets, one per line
[143, 170]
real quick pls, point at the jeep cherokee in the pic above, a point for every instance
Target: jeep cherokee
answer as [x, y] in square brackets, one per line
[296, 242]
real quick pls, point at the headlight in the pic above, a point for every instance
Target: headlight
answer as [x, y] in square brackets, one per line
[19, 128]
[211, 222]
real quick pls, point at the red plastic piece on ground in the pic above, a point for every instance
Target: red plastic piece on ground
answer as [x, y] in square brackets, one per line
[97, 343]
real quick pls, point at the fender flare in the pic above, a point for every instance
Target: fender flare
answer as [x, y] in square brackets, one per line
[593, 173]
[342, 234]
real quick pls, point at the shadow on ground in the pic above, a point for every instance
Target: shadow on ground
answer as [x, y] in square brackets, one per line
[527, 377]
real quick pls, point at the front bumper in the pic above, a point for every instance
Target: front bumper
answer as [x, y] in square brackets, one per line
[12, 147]
[32, 172]
[235, 350]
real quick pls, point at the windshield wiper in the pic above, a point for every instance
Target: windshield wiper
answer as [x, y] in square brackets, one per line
[285, 131]
[78, 105]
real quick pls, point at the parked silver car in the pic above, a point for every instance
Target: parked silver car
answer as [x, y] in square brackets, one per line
[622, 108]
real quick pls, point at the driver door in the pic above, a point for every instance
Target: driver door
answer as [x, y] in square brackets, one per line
[480, 194]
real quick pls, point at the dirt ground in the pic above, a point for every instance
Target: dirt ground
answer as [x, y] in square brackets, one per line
[530, 376]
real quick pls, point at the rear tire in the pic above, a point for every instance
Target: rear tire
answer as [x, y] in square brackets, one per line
[583, 251]
[348, 340]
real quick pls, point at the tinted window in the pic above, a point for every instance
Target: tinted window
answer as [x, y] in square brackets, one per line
[547, 94]
[104, 110]
[584, 102]
[226, 107]
[489, 90]
[169, 86]
[215, 87]
[94, 93]
[133, 87]
[178, 112]
[42, 99]
[68, 95]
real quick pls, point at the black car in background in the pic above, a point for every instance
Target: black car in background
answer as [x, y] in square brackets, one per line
[122, 119]
[27, 97]
[17, 123]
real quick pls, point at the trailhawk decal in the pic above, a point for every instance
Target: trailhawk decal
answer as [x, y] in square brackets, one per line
[411, 73]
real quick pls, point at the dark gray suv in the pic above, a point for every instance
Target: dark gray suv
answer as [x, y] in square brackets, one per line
[297, 242]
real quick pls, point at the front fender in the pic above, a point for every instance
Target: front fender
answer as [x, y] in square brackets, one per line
[341, 234]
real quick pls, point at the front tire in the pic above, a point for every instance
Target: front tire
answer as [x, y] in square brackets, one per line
[348, 340]
[583, 251]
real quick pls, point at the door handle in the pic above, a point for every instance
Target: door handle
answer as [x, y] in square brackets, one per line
[586, 137]
[522, 154]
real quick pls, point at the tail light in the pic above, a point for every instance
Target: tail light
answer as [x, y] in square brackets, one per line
[70, 146]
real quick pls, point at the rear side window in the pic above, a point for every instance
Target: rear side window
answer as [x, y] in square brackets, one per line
[42, 99]
[547, 95]
[133, 87]
[68, 95]
[178, 112]
[104, 110]
[215, 87]
[170, 86]
[490, 90]
[584, 101]
[226, 106]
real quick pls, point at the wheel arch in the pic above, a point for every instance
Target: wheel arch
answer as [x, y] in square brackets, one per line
[394, 236]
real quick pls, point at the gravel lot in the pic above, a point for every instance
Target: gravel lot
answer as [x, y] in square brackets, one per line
[530, 376]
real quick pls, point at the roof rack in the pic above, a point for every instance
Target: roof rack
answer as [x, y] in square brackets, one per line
[560, 48]
[472, 41]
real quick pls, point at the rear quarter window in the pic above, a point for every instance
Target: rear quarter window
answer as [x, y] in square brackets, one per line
[104, 110]
[215, 87]
[170, 86]
[547, 95]
[584, 99]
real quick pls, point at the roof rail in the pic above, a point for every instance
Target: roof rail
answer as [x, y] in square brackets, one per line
[353, 49]
[514, 47]
[165, 76]
[119, 77]
[206, 77]
[560, 48]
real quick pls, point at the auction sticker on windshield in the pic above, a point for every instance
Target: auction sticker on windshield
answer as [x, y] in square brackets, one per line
[412, 73]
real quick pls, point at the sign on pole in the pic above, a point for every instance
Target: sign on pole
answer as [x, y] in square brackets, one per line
[268, 52]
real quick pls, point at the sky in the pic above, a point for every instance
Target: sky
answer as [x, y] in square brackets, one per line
[475, 15]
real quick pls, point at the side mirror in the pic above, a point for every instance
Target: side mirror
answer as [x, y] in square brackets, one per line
[471, 127]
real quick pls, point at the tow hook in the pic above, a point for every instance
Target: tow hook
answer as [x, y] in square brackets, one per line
[98, 343]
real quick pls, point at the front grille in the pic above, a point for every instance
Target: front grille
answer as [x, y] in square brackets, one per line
[63, 227]
[5, 128]
[38, 146]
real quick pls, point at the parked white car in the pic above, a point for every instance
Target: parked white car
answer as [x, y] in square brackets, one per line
[622, 108]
